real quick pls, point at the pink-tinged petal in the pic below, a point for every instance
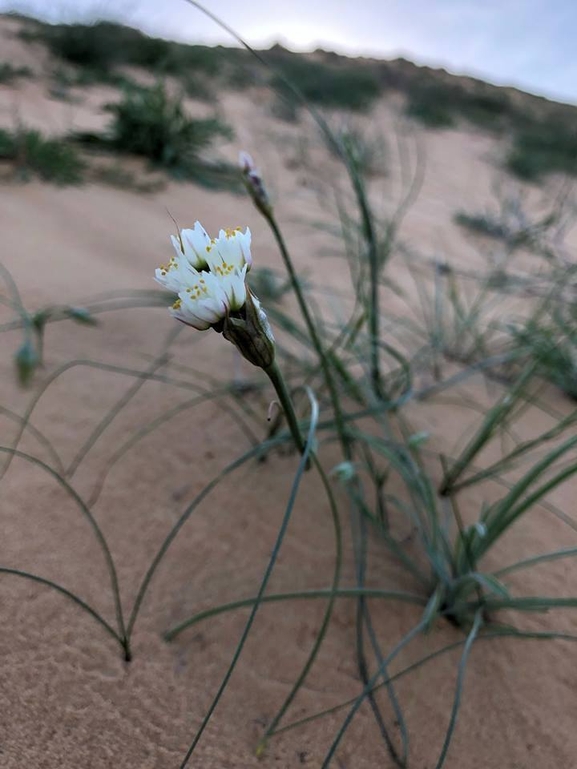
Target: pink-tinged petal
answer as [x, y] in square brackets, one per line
[246, 162]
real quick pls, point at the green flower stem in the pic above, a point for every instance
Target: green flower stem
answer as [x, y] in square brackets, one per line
[311, 327]
[274, 374]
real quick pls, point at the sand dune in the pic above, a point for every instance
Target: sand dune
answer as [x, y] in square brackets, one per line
[67, 699]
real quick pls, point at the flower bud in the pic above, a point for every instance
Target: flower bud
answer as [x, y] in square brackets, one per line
[251, 333]
[254, 183]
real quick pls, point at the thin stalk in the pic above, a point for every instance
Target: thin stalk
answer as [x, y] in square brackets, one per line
[477, 624]
[274, 374]
[68, 594]
[494, 634]
[369, 686]
[305, 595]
[528, 562]
[311, 326]
[328, 611]
[131, 393]
[84, 509]
[264, 582]
[490, 423]
[255, 451]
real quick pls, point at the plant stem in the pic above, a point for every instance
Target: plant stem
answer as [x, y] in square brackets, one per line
[315, 338]
[274, 374]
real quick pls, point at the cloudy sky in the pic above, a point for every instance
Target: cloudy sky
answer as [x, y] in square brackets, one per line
[528, 43]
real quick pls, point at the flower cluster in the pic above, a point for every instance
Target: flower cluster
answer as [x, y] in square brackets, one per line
[209, 278]
[207, 274]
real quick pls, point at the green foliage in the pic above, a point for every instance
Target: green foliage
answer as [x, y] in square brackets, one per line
[32, 154]
[285, 107]
[103, 46]
[542, 147]
[150, 123]
[197, 88]
[343, 86]
[550, 341]
[9, 73]
[431, 106]
[440, 104]
[365, 149]
[482, 224]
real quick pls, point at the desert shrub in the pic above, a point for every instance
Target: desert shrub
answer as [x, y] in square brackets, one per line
[440, 104]
[197, 88]
[550, 341]
[95, 46]
[431, 106]
[542, 147]
[33, 154]
[540, 228]
[366, 149]
[150, 123]
[285, 107]
[105, 45]
[483, 224]
[343, 87]
[9, 73]
[183, 59]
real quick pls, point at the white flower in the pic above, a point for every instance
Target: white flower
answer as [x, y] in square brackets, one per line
[231, 250]
[193, 244]
[208, 275]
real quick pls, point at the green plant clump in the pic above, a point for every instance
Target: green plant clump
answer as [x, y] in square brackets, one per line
[336, 87]
[105, 45]
[440, 105]
[544, 147]
[150, 123]
[9, 73]
[53, 160]
[551, 343]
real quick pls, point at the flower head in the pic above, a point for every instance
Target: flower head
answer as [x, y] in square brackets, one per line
[208, 275]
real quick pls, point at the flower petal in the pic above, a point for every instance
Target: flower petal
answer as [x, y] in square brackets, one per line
[230, 249]
[234, 288]
[195, 243]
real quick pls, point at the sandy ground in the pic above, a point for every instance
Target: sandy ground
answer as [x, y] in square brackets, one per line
[67, 699]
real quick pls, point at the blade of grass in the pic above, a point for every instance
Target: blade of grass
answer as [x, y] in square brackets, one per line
[477, 624]
[304, 461]
[68, 594]
[100, 538]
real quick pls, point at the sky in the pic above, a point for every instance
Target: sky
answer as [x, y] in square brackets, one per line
[530, 44]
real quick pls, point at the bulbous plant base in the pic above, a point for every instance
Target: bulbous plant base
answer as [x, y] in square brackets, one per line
[463, 620]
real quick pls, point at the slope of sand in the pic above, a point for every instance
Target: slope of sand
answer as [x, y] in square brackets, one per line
[67, 699]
